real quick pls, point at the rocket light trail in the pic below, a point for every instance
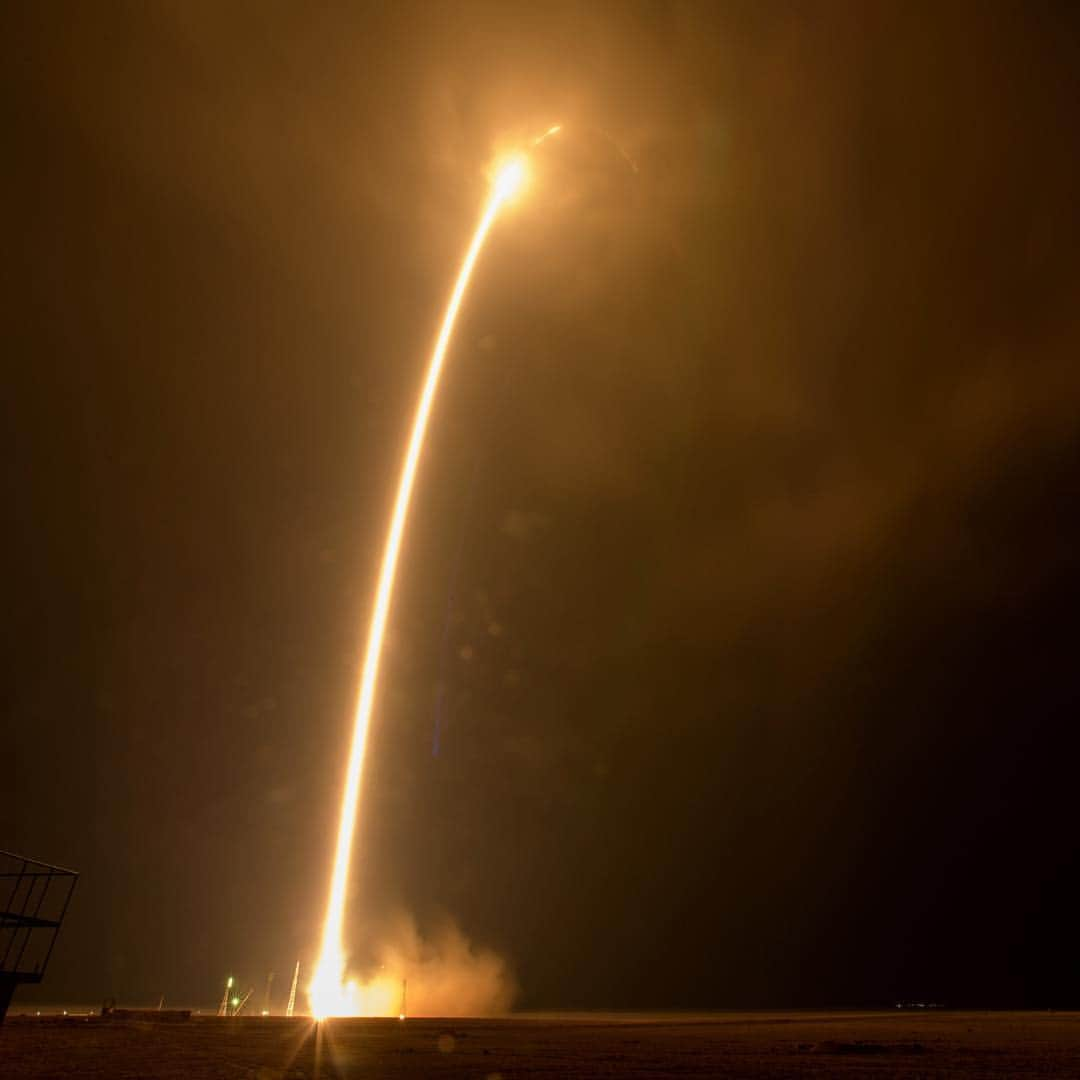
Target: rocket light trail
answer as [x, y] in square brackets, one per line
[330, 993]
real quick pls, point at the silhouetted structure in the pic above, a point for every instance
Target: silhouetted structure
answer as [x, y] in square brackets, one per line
[35, 898]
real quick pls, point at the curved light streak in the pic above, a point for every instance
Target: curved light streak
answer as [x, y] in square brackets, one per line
[330, 992]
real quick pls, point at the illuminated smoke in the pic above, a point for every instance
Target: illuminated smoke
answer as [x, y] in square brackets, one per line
[331, 994]
[446, 975]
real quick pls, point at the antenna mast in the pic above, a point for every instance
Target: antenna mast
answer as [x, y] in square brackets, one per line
[223, 1008]
[292, 993]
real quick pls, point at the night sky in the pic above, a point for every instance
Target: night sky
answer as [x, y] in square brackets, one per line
[735, 655]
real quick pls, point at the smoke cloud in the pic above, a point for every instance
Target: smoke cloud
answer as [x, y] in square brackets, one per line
[442, 974]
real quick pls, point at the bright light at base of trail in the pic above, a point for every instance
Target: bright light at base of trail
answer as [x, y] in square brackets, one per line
[339, 996]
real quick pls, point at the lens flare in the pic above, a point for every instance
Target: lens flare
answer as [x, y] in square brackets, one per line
[330, 993]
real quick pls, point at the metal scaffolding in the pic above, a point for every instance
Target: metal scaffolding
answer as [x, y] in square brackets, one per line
[34, 898]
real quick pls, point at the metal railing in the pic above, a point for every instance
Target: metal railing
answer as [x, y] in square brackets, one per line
[34, 898]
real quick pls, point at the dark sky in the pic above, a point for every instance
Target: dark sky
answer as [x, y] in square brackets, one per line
[746, 549]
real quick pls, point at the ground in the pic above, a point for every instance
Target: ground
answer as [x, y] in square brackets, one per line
[849, 1045]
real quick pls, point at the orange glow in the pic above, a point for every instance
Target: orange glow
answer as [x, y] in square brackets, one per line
[330, 993]
[510, 179]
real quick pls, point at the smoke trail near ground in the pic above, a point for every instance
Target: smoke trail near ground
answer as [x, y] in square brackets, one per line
[443, 973]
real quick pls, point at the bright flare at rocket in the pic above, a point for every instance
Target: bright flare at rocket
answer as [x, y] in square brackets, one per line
[330, 992]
